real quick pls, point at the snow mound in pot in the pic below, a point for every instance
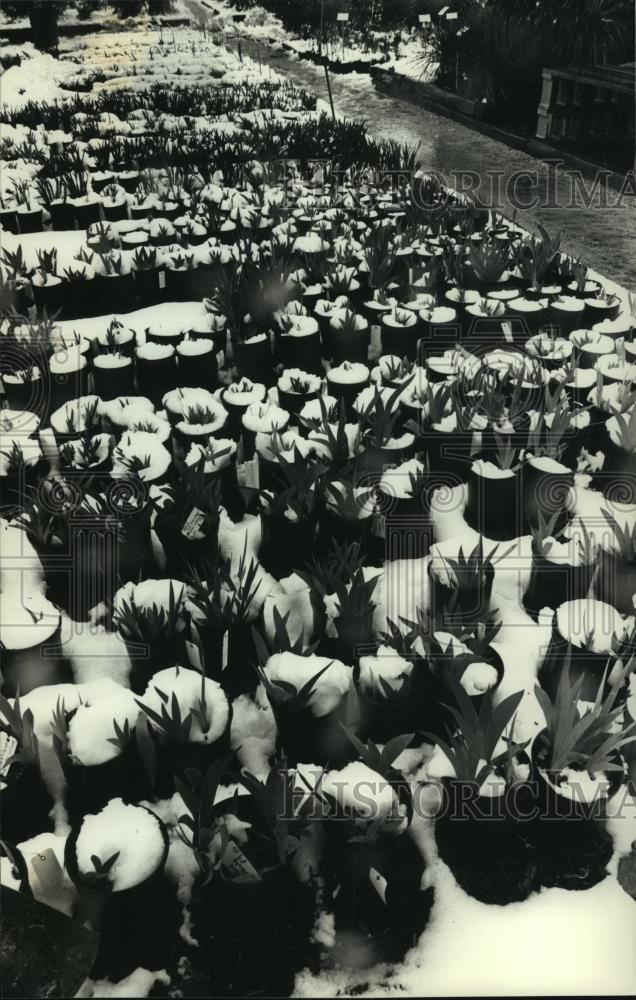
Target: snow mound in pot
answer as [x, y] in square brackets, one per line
[131, 832]
[329, 688]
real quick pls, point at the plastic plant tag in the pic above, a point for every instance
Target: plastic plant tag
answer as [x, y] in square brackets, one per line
[192, 526]
[476, 443]
[378, 525]
[49, 875]
[236, 866]
[248, 474]
[220, 359]
[194, 655]
[161, 277]
[379, 883]
[8, 747]
[507, 332]
[225, 650]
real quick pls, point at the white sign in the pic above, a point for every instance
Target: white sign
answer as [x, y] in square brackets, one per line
[425, 18]
[442, 11]
[452, 15]
[342, 17]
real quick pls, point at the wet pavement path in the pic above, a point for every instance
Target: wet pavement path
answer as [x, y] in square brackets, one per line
[605, 238]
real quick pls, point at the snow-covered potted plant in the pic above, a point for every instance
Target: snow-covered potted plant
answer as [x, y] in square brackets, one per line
[480, 830]
[116, 860]
[577, 766]
[25, 800]
[591, 634]
[311, 697]
[189, 718]
[149, 617]
[156, 370]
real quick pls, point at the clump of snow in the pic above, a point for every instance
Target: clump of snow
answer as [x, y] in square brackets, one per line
[132, 832]
[329, 689]
[191, 690]
[92, 725]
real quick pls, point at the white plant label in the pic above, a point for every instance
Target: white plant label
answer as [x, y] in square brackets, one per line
[237, 867]
[194, 655]
[248, 474]
[225, 650]
[220, 359]
[162, 279]
[378, 525]
[379, 883]
[192, 526]
[8, 747]
[342, 17]
[507, 332]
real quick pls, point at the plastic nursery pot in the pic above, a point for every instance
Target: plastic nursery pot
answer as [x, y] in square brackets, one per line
[113, 375]
[115, 292]
[449, 453]
[566, 314]
[147, 658]
[90, 788]
[286, 545]
[321, 740]
[29, 219]
[485, 846]
[377, 899]
[86, 212]
[150, 286]
[347, 381]
[197, 364]
[293, 402]
[408, 528]
[300, 350]
[590, 665]
[601, 310]
[383, 717]
[618, 476]
[352, 345]
[79, 298]
[546, 491]
[50, 296]
[400, 338]
[469, 605]
[493, 501]
[440, 330]
[253, 359]
[156, 372]
[615, 582]
[25, 803]
[33, 653]
[9, 220]
[115, 211]
[68, 379]
[343, 531]
[556, 799]
[554, 581]
[136, 923]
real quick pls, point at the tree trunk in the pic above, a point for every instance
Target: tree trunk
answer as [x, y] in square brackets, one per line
[43, 18]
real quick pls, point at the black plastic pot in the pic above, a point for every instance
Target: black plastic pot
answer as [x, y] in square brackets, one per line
[399, 340]
[303, 737]
[49, 297]
[30, 221]
[112, 382]
[156, 377]
[493, 506]
[9, 220]
[25, 804]
[254, 360]
[352, 346]
[86, 213]
[304, 352]
[286, 545]
[136, 925]
[615, 582]
[198, 371]
[115, 292]
[147, 659]
[582, 664]
[545, 493]
[62, 215]
[89, 789]
[552, 584]
[485, 847]
[150, 285]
